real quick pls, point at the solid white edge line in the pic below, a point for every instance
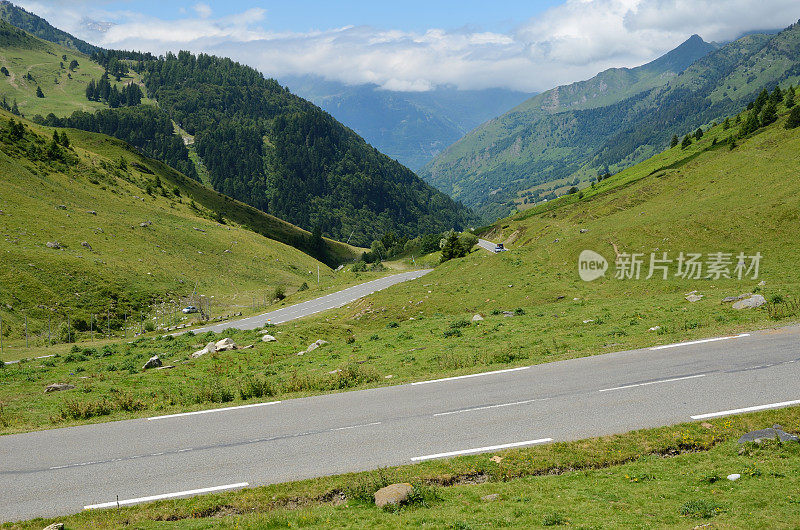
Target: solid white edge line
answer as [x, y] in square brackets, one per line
[703, 341]
[114, 504]
[482, 449]
[653, 382]
[196, 412]
[746, 409]
[470, 375]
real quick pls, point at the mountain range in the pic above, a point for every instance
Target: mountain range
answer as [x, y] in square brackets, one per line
[411, 127]
[566, 136]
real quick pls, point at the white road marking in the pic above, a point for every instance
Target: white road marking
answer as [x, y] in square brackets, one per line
[747, 409]
[127, 502]
[654, 382]
[703, 341]
[355, 426]
[470, 375]
[482, 449]
[212, 410]
[490, 407]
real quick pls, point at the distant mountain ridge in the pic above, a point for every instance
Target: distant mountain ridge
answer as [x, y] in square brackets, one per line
[35, 25]
[412, 127]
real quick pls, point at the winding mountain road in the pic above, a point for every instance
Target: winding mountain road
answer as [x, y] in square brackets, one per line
[62, 471]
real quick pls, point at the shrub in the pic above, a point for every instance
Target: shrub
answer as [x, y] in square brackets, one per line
[256, 388]
[214, 393]
[303, 287]
[392, 325]
[359, 266]
[462, 323]
[452, 333]
[83, 410]
[553, 519]
[149, 326]
[279, 293]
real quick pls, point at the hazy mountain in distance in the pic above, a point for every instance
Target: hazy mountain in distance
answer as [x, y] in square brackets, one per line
[412, 127]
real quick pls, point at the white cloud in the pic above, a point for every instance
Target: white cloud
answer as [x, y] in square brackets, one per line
[569, 42]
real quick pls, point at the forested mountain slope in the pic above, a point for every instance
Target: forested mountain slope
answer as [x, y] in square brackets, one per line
[565, 133]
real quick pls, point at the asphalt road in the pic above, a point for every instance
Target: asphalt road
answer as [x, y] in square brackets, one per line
[487, 245]
[312, 307]
[61, 471]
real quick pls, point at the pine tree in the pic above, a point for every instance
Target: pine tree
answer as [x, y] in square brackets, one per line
[39, 93]
[674, 141]
[726, 124]
[65, 140]
[789, 99]
[15, 109]
[770, 114]
[776, 96]
[687, 141]
[760, 101]
[794, 118]
[698, 134]
[91, 88]
[750, 125]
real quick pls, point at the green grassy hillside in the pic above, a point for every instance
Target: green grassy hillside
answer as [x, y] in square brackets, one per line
[129, 232]
[566, 134]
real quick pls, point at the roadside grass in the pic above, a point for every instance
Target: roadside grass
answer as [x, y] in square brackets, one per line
[665, 477]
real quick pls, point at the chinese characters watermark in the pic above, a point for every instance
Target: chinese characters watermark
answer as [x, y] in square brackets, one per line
[662, 265]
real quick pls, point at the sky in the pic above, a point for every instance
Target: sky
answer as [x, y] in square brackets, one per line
[417, 45]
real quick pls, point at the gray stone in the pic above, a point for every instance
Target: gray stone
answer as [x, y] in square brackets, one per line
[750, 303]
[694, 298]
[225, 345]
[729, 299]
[491, 497]
[154, 362]
[145, 224]
[86, 244]
[508, 313]
[53, 244]
[394, 494]
[57, 387]
[775, 433]
[584, 230]
[269, 338]
[733, 477]
[55, 526]
[477, 318]
[315, 345]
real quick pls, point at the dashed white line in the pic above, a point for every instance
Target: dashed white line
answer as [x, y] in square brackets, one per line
[355, 426]
[746, 409]
[482, 449]
[703, 341]
[254, 405]
[470, 376]
[127, 502]
[487, 407]
[653, 382]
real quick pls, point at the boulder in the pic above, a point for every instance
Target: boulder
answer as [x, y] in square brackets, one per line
[694, 298]
[53, 244]
[268, 338]
[55, 526]
[394, 494]
[750, 303]
[154, 362]
[477, 318]
[775, 433]
[733, 477]
[729, 299]
[225, 345]
[57, 387]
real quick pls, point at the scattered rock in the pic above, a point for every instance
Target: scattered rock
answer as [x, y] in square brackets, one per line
[55, 526]
[315, 345]
[91, 212]
[210, 348]
[491, 497]
[750, 303]
[268, 338]
[729, 299]
[588, 321]
[225, 345]
[560, 297]
[167, 367]
[199, 229]
[301, 353]
[154, 362]
[145, 224]
[734, 477]
[389, 377]
[706, 425]
[556, 241]
[61, 207]
[249, 347]
[776, 432]
[394, 494]
[508, 313]
[57, 387]
[477, 318]
[694, 298]
[762, 283]
[654, 328]
[54, 244]
[86, 244]
[584, 230]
